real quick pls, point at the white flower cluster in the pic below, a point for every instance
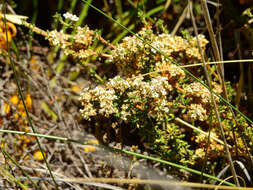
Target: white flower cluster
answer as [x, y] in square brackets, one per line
[75, 45]
[126, 97]
[70, 16]
[83, 36]
[58, 38]
[133, 56]
[175, 71]
[174, 43]
[197, 112]
[102, 96]
[197, 90]
[158, 45]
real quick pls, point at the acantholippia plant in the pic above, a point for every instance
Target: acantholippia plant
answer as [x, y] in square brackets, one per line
[142, 103]
[151, 92]
[148, 104]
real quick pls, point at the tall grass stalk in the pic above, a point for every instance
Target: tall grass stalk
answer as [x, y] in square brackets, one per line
[232, 167]
[59, 8]
[83, 13]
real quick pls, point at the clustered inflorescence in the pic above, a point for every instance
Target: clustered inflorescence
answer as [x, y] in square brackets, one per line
[70, 17]
[76, 45]
[126, 98]
[133, 56]
[151, 92]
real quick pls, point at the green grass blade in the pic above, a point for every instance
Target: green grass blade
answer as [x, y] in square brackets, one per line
[59, 8]
[117, 150]
[83, 13]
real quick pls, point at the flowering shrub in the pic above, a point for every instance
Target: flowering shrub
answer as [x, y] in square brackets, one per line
[126, 98]
[151, 93]
[142, 104]
[147, 104]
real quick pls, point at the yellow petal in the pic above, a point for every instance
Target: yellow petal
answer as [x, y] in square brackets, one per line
[90, 149]
[8, 36]
[23, 114]
[11, 28]
[6, 108]
[2, 143]
[38, 155]
[75, 88]
[20, 107]
[28, 101]
[16, 116]
[14, 100]
[27, 140]
[93, 141]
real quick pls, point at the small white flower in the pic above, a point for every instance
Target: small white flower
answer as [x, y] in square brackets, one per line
[197, 112]
[158, 45]
[70, 16]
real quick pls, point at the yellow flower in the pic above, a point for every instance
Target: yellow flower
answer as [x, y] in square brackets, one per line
[89, 149]
[38, 155]
[6, 108]
[75, 88]
[14, 100]
[93, 141]
[28, 101]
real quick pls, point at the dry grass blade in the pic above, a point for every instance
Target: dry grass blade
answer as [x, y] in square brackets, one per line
[242, 167]
[180, 20]
[232, 177]
[149, 181]
[219, 62]
[207, 18]
[199, 130]
[16, 19]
